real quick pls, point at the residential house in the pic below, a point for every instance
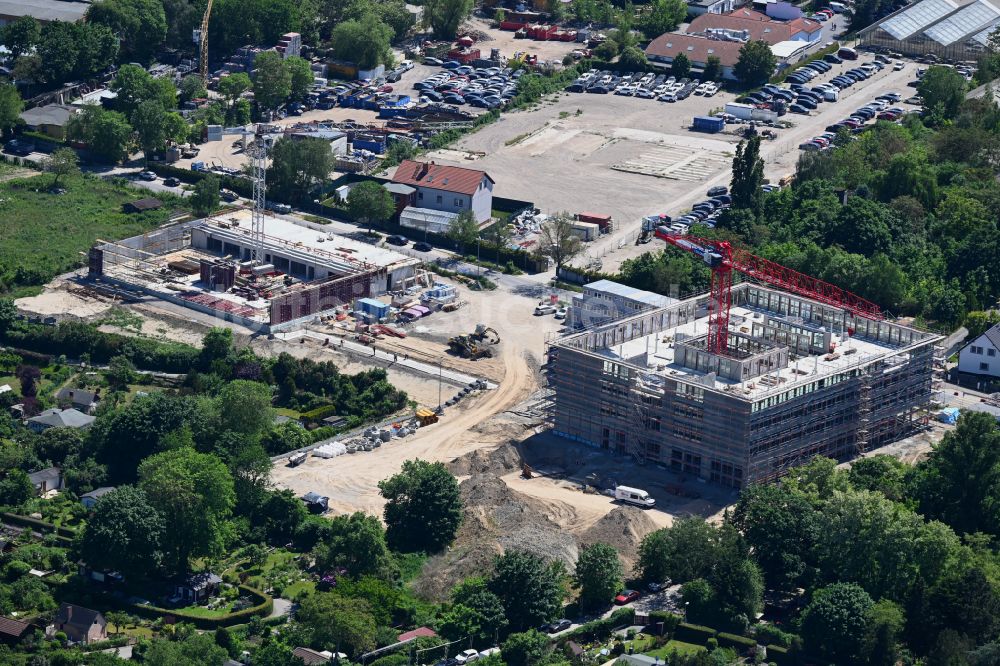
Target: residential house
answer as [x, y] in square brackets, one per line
[311, 657]
[448, 188]
[700, 7]
[12, 631]
[88, 500]
[79, 399]
[50, 119]
[416, 633]
[81, 625]
[197, 587]
[698, 49]
[47, 480]
[60, 418]
[982, 355]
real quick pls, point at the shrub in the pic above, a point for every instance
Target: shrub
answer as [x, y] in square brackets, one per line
[734, 641]
[779, 655]
[669, 620]
[712, 644]
[770, 634]
[694, 633]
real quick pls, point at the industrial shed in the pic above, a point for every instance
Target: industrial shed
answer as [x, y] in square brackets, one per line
[944, 28]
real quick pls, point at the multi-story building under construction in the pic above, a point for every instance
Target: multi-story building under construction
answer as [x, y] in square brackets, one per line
[800, 378]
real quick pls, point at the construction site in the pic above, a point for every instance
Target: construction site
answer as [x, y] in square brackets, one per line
[268, 281]
[739, 385]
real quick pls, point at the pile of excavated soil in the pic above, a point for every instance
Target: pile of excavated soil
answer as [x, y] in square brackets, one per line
[496, 519]
[496, 461]
[623, 528]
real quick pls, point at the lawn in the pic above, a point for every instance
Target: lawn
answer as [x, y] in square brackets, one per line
[679, 646]
[44, 234]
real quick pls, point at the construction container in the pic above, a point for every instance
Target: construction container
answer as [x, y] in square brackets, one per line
[370, 306]
[600, 219]
[585, 231]
[213, 133]
[263, 269]
[708, 124]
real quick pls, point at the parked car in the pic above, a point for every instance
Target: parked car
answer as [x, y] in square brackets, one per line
[433, 61]
[627, 596]
[544, 309]
[171, 182]
[421, 246]
[798, 108]
[556, 627]
[561, 313]
[656, 587]
[467, 656]
[147, 175]
[397, 239]
[717, 191]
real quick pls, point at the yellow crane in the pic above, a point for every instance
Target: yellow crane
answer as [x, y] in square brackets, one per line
[203, 38]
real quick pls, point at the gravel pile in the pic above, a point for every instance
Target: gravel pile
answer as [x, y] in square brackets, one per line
[623, 527]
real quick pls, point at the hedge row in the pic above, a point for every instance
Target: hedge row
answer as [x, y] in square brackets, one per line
[735, 641]
[694, 633]
[38, 525]
[602, 628]
[75, 339]
[779, 655]
[669, 620]
[240, 617]
[320, 413]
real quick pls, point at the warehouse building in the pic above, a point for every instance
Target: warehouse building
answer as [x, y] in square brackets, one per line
[206, 265]
[800, 379]
[948, 29]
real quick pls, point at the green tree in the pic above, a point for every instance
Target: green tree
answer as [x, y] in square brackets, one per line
[713, 69]
[781, 529]
[607, 50]
[524, 649]
[286, 437]
[557, 240]
[369, 202]
[943, 90]
[272, 81]
[834, 622]
[959, 482]
[124, 532]
[475, 612]
[395, 15]
[685, 551]
[464, 230]
[423, 507]
[281, 513]
[16, 488]
[141, 24]
[598, 575]
[444, 16]
[232, 86]
[882, 473]
[633, 58]
[11, 106]
[663, 16]
[121, 372]
[244, 407]
[275, 653]
[978, 322]
[107, 133]
[365, 41]
[192, 87]
[297, 166]
[748, 176]
[884, 626]
[8, 314]
[194, 494]
[62, 162]
[134, 85]
[756, 63]
[205, 197]
[680, 67]
[151, 125]
[517, 571]
[336, 622]
[302, 76]
[191, 650]
[357, 543]
[21, 35]
[966, 601]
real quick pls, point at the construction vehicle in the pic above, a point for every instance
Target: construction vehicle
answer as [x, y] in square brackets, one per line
[474, 345]
[526, 471]
[426, 417]
[723, 258]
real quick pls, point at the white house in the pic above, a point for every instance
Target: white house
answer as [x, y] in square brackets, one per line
[982, 355]
[447, 188]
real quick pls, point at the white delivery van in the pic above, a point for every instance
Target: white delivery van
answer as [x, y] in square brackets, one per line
[634, 496]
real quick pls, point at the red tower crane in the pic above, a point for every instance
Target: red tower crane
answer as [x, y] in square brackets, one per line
[723, 258]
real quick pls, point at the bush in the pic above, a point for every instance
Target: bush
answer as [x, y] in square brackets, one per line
[779, 655]
[734, 641]
[770, 634]
[602, 628]
[669, 620]
[712, 644]
[694, 633]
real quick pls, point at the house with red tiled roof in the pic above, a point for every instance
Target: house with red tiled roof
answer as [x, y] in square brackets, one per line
[698, 49]
[416, 633]
[746, 24]
[450, 189]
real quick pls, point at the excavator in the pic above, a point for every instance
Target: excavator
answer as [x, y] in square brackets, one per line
[475, 344]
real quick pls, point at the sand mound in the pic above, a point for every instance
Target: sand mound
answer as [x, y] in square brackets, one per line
[497, 461]
[623, 527]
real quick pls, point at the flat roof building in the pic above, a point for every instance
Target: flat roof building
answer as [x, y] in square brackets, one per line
[604, 301]
[42, 10]
[800, 379]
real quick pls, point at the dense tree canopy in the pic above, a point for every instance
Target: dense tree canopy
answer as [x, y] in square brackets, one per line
[124, 532]
[297, 165]
[516, 571]
[598, 575]
[423, 508]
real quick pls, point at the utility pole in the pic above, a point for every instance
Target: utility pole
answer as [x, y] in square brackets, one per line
[439, 386]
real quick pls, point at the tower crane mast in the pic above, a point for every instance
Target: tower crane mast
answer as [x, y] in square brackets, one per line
[203, 44]
[723, 258]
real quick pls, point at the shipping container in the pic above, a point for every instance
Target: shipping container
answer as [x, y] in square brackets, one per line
[708, 124]
[585, 231]
[600, 219]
